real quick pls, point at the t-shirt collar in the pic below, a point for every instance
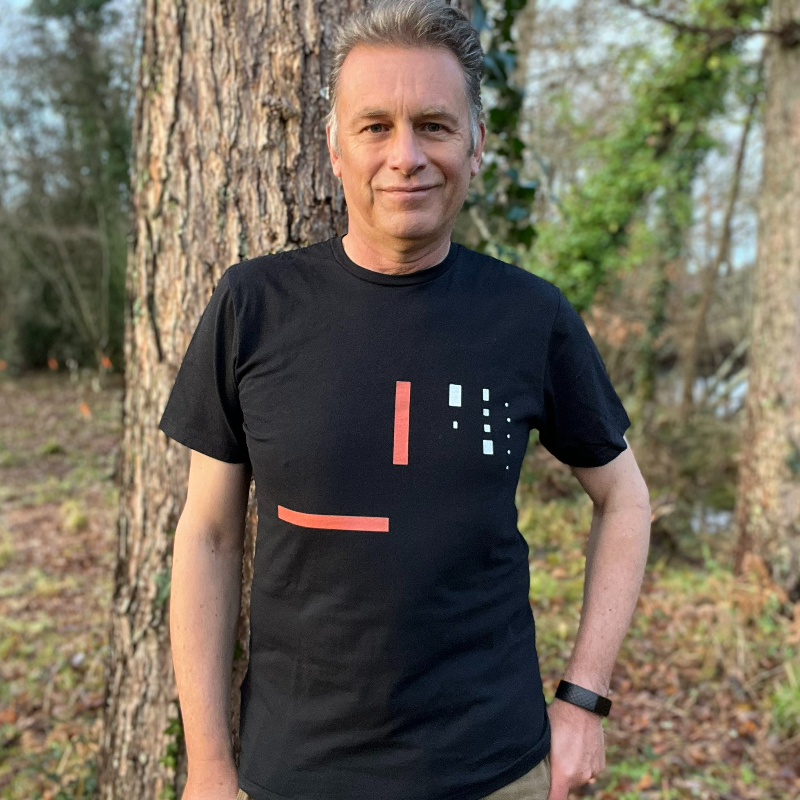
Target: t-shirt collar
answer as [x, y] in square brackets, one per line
[373, 276]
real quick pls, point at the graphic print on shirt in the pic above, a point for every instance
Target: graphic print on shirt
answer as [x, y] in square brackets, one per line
[400, 456]
[488, 444]
[402, 402]
[334, 522]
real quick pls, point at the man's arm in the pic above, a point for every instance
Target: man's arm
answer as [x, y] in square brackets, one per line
[616, 557]
[204, 609]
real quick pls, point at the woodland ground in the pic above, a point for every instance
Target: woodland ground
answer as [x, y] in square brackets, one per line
[706, 691]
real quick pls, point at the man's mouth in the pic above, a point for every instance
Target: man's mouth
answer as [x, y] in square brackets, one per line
[409, 189]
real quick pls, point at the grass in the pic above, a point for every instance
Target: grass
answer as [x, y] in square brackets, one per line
[57, 511]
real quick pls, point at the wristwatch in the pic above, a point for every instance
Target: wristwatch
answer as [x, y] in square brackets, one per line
[584, 698]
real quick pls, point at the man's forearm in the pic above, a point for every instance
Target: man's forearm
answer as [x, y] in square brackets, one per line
[204, 609]
[616, 557]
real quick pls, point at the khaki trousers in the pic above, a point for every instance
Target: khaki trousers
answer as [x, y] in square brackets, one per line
[533, 785]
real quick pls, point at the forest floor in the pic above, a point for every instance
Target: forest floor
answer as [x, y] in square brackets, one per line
[706, 690]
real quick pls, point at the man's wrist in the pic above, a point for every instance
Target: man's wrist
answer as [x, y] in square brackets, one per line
[588, 681]
[203, 767]
[578, 711]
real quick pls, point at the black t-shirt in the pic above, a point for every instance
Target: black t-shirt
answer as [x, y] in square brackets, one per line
[393, 648]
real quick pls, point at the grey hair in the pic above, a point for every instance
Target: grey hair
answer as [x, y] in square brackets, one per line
[412, 23]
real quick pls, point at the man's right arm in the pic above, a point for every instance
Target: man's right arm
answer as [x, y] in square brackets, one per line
[204, 609]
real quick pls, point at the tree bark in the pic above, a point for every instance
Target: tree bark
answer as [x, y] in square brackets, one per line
[229, 162]
[768, 498]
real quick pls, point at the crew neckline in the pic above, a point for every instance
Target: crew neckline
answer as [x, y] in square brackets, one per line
[385, 279]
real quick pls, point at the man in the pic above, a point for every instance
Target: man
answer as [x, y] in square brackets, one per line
[381, 388]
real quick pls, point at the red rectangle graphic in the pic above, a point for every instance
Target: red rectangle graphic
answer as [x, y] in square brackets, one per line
[402, 406]
[333, 521]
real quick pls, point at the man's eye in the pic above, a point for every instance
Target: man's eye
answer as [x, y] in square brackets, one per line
[436, 127]
[378, 125]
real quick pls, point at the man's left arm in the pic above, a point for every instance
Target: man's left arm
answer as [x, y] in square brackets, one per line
[616, 557]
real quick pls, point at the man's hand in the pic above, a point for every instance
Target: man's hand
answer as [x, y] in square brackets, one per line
[577, 747]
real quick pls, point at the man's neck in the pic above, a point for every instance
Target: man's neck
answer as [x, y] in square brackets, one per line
[395, 258]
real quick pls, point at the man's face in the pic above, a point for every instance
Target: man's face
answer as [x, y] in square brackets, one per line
[404, 143]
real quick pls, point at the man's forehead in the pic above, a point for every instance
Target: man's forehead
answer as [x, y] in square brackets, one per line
[427, 78]
[385, 53]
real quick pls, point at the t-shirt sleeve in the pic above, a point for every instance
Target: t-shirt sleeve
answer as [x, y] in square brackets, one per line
[203, 410]
[584, 419]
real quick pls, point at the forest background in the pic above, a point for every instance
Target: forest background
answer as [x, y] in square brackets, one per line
[625, 163]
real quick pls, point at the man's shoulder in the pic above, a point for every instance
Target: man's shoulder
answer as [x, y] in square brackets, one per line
[511, 277]
[274, 266]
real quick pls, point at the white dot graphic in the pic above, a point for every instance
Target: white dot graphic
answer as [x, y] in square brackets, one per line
[508, 419]
[455, 423]
[508, 451]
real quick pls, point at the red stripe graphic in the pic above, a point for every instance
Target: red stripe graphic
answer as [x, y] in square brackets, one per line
[402, 403]
[333, 522]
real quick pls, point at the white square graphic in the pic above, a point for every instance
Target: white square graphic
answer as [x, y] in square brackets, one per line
[485, 412]
[488, 447]
[455, 394]
[455, 423]
[487, 428]
[485, 394]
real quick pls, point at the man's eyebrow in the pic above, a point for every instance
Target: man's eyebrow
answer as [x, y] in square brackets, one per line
[430, 111]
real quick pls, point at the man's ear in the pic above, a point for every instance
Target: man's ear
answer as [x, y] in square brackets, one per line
[475, 158]
[336, 164]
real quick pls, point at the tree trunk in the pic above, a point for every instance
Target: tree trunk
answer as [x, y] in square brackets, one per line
[768, 497]
[229, 162]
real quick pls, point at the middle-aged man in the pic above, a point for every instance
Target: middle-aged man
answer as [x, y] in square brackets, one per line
[381, 388]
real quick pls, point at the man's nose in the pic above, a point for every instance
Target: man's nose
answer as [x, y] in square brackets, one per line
[406, 154]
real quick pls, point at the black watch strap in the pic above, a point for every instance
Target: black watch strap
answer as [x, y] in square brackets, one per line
[585, 698]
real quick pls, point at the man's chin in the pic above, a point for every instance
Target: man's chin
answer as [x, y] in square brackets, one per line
[419, 228]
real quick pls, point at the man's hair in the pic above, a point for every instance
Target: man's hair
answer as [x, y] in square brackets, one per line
[412, 23]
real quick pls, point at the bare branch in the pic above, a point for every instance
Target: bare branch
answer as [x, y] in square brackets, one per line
[53, 277]
[722, 256]
[789, 33]
[71, 275]
[720, 376]
[70, 233]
